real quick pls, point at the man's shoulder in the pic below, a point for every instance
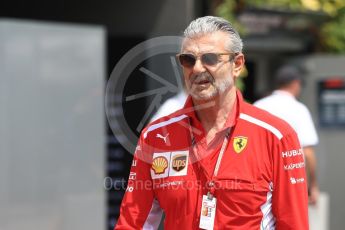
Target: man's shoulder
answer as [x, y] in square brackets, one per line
[168, 133]
[302, 107]
[269, 102]
[174, 115]
[265, 120]
[173, 120]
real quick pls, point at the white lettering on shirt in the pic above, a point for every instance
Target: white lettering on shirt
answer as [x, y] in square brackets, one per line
[293, 166]
[292, 153]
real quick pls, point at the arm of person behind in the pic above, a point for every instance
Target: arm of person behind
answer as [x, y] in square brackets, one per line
[308, 138]
[311, 164]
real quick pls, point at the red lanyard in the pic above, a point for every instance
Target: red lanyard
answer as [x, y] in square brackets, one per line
[219, 159]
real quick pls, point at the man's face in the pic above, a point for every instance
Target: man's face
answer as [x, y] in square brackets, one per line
[205, 82]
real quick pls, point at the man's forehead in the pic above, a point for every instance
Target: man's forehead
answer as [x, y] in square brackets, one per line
[216, 41]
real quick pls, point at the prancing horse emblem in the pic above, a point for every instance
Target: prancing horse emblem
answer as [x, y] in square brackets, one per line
[239, 143]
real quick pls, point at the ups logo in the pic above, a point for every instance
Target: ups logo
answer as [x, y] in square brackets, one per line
[179, 162]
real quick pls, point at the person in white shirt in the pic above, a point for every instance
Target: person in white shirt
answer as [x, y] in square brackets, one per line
[171, 105]
[283, 103]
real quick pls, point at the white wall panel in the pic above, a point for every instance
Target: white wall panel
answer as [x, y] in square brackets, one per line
[52, 137]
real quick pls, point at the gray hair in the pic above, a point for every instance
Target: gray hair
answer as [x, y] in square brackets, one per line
[211, 24]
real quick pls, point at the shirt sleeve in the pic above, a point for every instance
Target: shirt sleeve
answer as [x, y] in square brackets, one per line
[305, 128]
[139, 209]
[290, 196]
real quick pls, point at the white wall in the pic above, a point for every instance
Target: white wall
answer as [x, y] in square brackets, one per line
[52, 137]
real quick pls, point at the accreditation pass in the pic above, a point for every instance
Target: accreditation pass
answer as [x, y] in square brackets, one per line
[208, 212]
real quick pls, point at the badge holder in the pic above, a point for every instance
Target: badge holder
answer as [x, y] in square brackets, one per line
[208, 211]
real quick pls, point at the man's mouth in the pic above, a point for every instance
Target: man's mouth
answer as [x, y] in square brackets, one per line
[202, 82]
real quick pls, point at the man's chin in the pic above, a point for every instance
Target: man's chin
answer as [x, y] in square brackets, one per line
[203, 96]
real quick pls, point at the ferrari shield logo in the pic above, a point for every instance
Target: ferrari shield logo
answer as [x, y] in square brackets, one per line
[239, 144]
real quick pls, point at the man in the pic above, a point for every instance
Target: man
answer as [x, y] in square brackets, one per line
[282, 103]
[219, 163]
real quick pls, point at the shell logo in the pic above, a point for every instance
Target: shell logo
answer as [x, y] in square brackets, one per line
[159, 165]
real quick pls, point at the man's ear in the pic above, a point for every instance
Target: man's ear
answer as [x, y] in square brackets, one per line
[238, 65]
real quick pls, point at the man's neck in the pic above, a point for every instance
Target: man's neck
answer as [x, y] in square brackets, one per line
[214, 116]
[293, 88]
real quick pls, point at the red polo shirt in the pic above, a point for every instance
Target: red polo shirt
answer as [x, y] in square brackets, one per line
[207, 153]
[261, 181]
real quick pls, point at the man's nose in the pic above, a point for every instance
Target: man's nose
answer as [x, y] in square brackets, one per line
[198, 67]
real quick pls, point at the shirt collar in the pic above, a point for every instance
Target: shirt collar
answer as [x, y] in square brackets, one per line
[283, 93]
[232, 116]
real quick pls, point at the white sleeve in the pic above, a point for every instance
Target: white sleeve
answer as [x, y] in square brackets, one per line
[171, 105]
[154, 218]
[306, 130]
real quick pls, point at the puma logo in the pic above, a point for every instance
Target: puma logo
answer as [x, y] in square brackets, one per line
[162, 137]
